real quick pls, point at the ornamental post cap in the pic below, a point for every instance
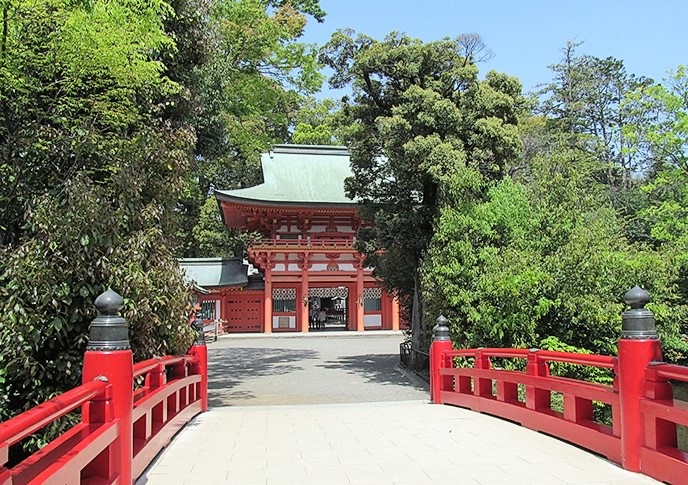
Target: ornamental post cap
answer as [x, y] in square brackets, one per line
[108, 331]
[638, 322]
[636, 297]
[109, 302]
[441, 330]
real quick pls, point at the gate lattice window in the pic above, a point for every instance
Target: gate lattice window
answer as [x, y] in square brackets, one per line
[328, 292]
[284, 299]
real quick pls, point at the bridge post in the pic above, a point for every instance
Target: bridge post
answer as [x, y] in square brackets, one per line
[441, 343]
[638, 346]
[109, 357]
[200, 350]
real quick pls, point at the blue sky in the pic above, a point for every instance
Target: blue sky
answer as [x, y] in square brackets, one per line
[526, 36]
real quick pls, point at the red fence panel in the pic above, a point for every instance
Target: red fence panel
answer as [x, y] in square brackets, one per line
[75, 450]
[121, 429]
[165, 407]
[526, 396]
[660, 455]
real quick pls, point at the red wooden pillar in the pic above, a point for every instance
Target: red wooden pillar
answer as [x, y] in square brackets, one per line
[537, 398]
[267, 308]
[108, 356]
[441, 343]
[638, 346]
[303, 307]
[200, 350]
[395, 313]
[360, 311]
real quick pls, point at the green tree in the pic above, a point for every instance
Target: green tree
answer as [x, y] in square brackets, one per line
[586, 101]
[419, 118]
[72, 82]
[662, 139]
[316, 122]
[245, 96]
[91, 165]
[214, 239]
[545, 263]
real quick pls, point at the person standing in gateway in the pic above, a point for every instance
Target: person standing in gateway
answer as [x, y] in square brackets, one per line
[322, 318]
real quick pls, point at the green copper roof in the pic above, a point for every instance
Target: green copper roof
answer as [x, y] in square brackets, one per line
[310, 174]
[215, 271]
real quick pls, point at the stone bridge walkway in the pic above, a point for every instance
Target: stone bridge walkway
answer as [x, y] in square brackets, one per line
[334, 410]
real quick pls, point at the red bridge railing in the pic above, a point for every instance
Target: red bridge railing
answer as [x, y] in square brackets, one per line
[642, 436]
[121, 429]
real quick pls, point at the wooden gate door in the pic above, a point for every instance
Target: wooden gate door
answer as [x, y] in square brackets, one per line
[244, 313]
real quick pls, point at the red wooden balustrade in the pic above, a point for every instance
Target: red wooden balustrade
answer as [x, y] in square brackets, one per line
[643, 434]
[121, 429]
[484, 388]
[312, 241]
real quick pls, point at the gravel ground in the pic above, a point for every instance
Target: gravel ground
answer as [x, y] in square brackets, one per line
[313, 369]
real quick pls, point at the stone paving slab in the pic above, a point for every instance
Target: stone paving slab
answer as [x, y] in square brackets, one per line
[403, 442]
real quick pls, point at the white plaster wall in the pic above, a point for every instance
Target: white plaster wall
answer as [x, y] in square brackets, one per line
[372, 320]
[275, 321]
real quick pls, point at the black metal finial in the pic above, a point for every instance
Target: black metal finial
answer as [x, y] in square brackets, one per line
[441, 330]
[638, 322]
[637, 297]
[108, 331]
[109, 303]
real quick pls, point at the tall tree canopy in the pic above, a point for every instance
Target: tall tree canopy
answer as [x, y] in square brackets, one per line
[245, 96]
[91, 165]
[587, 100]
[418, 118]
[74, 81]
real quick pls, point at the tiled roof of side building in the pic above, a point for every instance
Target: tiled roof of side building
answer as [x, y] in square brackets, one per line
[298, 174]
[209, 272]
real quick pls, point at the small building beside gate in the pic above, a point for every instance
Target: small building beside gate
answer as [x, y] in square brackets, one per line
[305, 260]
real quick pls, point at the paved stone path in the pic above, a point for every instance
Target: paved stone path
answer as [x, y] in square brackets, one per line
[321, 368]
[257, 432]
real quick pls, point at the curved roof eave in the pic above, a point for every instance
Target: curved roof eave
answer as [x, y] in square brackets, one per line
[225, 197]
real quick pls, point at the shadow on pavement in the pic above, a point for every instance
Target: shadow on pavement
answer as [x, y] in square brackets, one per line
[228, 368]
[376, 368]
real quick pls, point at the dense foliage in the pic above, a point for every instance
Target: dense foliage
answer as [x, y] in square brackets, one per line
[523, 222]
[418, 119]
[243, 96]
[594, 207]
[91, 166]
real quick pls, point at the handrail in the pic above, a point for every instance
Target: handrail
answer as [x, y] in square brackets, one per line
[122, 429]
[489, 352]
[146, 366]
[603, 361]
[151, 364]
[19, 427]
[669, 371]
[645, 414]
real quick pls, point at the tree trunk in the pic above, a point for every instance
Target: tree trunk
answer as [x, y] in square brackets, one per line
[419, 337]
